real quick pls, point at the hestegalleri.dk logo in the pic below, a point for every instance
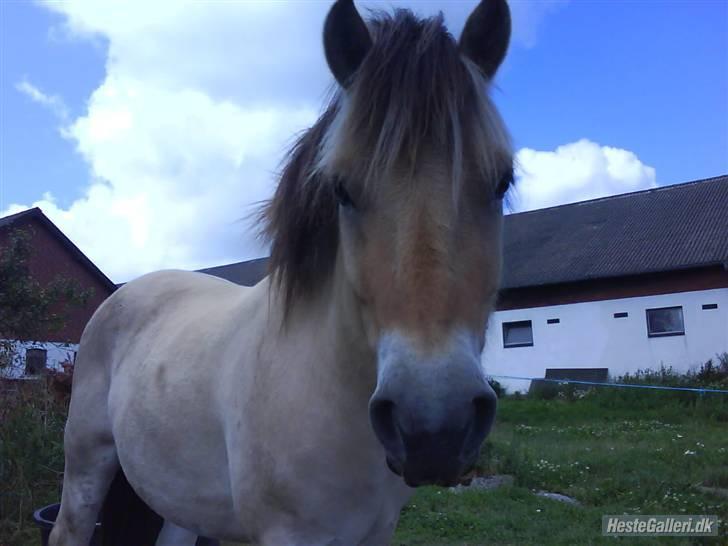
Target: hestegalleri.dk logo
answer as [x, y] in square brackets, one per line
[698, 526]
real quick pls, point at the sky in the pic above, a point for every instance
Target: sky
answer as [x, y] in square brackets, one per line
[149, 131]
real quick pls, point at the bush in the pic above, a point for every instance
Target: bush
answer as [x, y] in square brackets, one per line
[32, 418]
[667, 403]
[714, 375]
[711, 375]
[499, 389]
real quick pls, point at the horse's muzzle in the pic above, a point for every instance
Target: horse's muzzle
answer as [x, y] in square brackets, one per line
[431, 415]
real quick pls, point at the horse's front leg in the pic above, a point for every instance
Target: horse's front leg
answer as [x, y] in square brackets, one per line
[90, 468]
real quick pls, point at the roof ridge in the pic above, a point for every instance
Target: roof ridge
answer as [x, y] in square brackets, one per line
[38, 214]
[625, 194]
[10, 218]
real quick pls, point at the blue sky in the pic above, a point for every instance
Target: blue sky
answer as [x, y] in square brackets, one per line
[600, 96]
[35, 158]
[648, 76]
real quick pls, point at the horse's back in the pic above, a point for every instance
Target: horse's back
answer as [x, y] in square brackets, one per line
[158, 294]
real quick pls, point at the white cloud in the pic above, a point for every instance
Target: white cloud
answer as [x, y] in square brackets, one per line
[54, 103]
[197, 106]
[575, 172]
[183, 136]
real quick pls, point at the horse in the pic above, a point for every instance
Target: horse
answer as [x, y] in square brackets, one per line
[308, 408]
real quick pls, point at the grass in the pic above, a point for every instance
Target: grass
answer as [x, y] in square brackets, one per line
[613, 460]
[615, 451]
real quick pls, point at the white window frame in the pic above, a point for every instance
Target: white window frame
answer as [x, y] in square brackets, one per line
[516, 323]
[680, 332]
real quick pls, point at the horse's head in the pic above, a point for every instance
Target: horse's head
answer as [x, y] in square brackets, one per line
[408, 170]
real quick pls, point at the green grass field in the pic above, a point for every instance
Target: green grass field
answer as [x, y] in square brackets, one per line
[615, 452]
[612, 459]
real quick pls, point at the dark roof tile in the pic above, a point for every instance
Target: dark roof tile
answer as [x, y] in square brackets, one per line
[662, 229]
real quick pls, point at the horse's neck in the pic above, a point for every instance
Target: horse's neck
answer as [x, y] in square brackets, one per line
[330, 324]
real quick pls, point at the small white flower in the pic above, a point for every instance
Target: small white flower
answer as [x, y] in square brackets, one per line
[688, 452]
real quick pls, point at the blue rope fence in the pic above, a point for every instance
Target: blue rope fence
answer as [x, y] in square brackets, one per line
[627, 385]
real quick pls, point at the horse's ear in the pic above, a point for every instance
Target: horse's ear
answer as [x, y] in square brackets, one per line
[346, 40]
[486, 35]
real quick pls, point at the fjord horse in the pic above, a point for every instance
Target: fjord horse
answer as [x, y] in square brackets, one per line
[305, 410]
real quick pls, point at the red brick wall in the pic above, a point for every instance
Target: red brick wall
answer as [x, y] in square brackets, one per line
[51, 258]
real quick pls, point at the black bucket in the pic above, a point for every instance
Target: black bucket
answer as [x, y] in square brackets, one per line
[45, 518]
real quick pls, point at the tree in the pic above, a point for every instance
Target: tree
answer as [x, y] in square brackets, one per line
[28, 309]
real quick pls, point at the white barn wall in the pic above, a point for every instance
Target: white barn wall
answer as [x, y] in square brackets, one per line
[588, 336]
[58, 353]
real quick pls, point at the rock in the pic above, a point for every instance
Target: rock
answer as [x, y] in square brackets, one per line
[484, 482]
[719, 491]
[558, 497]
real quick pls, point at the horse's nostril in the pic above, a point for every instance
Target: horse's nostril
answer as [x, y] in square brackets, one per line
[484, 407]
[382, 414]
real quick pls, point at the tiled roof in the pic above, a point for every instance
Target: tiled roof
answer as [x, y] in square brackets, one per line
[662, 229]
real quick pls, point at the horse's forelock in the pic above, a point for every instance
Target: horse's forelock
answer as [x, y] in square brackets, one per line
[413, 93]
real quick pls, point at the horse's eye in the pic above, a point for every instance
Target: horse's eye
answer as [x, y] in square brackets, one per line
[342, 195]
[503, 185]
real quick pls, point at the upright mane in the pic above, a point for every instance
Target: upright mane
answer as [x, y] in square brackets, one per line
[413, 92]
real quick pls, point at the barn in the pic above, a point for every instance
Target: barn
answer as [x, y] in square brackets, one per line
[53, 255]
[622, 283]
[616, 284]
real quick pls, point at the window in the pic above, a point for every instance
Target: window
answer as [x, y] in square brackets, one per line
[621, 315]
[667, 321]
[553, 321]
[517, 334]
[35, 361]
[707, 306]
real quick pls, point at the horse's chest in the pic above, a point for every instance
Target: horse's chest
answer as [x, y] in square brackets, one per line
[350, 513]
[328, 498]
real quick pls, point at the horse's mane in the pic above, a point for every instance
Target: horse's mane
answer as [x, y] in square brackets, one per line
[412, 92]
